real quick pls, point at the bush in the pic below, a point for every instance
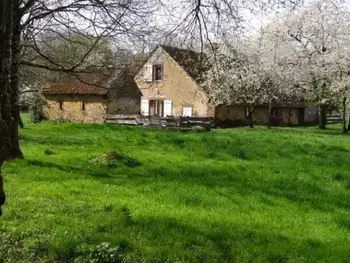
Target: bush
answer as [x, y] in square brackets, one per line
[113, 159]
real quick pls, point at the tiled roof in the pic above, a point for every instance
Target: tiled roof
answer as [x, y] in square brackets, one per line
[92, 83]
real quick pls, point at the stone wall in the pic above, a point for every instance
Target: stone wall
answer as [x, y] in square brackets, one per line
[127, 106]
[124, 96]
[72, 108]
[176, 85]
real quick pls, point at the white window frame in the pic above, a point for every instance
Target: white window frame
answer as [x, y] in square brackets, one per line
[168, 108]
[187, 111]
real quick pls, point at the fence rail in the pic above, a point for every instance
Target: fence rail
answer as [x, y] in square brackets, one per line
[334, 118]
[180, 123]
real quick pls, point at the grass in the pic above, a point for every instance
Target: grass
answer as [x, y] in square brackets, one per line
[236, 195]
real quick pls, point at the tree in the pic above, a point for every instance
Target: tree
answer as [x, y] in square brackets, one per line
[250, 72]
[5, 55]
[318, 35]
[236, 77]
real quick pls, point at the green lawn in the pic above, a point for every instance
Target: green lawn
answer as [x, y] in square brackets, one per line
[235, 195]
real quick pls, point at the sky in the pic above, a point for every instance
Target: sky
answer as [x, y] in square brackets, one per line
[251, 15]
[175, 16]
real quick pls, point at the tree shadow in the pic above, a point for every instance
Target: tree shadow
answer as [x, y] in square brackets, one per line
[240, 181]
[210, 241]
[93, 172]
[54, 140]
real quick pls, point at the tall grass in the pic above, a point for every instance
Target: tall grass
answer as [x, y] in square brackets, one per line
[236, 195]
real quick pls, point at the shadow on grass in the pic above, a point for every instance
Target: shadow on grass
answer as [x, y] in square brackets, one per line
[222, 242]
[94, 172]
[54, 140]
[240, 180]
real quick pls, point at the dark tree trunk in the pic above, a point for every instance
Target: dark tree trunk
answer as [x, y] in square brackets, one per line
[344, 126]
[2, 191]
[269, 124]
[5, 60]
[289, 116]
[322, 118]
[4, 155]
[5, 40]
[249, 116]
[14, 81]
[20, 123]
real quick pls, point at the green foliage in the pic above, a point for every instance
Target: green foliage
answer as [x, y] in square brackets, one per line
[235, 195]
[112, 159]
[103, 253]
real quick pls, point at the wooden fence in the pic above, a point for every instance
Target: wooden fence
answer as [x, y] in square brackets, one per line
[179, 123]
[334, 118]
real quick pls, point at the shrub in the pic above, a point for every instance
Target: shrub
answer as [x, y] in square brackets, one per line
[112, 159]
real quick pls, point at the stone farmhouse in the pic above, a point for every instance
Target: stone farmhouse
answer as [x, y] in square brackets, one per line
[168, 83]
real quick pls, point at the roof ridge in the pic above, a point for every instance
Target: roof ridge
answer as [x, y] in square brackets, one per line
[178, 48]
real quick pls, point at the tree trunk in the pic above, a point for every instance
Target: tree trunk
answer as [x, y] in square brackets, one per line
[249, 116]
[14, 81]
[322, 120]
[4, 155]
[20, 123]
[289, 116]
[344, 127]
[269, 124]
[2, 191]
[5, 60]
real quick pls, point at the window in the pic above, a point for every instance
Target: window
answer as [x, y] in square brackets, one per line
[145, 107]
[187, 112]
[60, 105]
[83, 106]
[157, 72]
[168, 108]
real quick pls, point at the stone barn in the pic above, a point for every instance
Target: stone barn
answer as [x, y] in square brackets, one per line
[90, 97]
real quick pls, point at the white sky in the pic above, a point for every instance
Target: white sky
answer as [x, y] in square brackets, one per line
[173, 12]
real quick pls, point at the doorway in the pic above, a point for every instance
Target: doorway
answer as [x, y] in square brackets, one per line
[156, 108]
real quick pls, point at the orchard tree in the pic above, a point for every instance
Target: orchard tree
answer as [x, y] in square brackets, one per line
[236, 77]
[318, 35]
[251, 72]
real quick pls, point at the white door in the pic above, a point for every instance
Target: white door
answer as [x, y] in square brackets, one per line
[145, 107]
[187, 112]
[168, 108]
